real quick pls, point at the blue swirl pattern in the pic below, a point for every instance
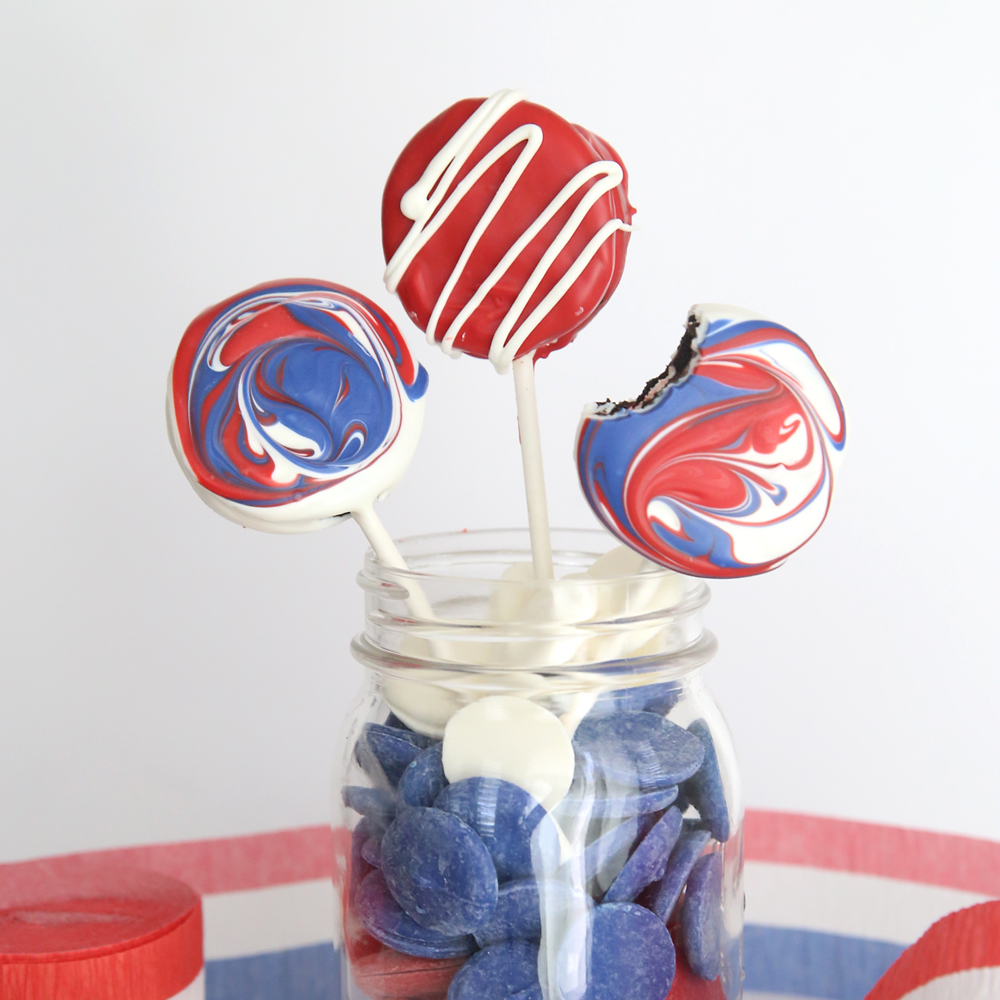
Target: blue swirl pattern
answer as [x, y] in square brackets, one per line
[289, 391]
[728, 469]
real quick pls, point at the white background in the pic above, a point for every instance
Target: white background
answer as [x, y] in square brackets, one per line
[167, 675]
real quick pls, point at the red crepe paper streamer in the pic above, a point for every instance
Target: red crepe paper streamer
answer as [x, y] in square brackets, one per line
[69, 928]
[960, 942]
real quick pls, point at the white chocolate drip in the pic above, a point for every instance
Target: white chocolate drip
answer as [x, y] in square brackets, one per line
[423, 204]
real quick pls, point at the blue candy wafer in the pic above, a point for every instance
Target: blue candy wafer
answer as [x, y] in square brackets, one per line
[641, 750]
[503, 814]
[371, 851]
[609, 844]
[701, 917]
[619, 807]
[384, 920]
[593, 795]
[424, 779]
[534, 993]
[378, 805]
[498, 972]
[646, 822]
[602, 859]
[705, 789]
[658, 698]
[662, 896]
[384, 752]
[521, 905]
[682, 801]
[661, 698]
[359, 866]
[622, 953]
[648, 862]
[439, 871]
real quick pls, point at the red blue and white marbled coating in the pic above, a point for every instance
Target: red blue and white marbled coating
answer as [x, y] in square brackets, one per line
[287, 391]
[730, 470]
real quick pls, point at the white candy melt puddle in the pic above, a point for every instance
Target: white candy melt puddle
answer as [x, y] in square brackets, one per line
[505, 737]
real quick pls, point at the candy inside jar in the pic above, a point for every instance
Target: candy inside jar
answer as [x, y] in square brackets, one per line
[538, 796]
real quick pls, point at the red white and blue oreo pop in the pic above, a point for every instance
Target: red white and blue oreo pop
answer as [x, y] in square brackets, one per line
[724, 465]
[293, 404]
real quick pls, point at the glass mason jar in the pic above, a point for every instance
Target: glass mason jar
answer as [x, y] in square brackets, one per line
[538, 796]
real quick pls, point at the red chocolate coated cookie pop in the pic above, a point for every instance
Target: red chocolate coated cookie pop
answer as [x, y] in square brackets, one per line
[504, 228]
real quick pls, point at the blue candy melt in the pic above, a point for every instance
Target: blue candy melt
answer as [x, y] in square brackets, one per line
[593, 795]
[648, 862]
[378, 805]
[371, 851]
[682, 802]
[646, 822]
[384, 752]
[521, 906]
[622, 953]
[658, 698]
[603, 857]
[701, 917]
[641, 750]
[498, 972]
[384, 920]
[439, 871]
[503, 814]
[662, 896]
[359, 866]
[619, 806]
[423, 780]
[705, 790]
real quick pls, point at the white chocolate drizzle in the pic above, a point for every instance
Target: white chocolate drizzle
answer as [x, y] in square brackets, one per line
[423, 204]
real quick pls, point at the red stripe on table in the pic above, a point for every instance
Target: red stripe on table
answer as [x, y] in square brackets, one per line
[967, 939]
[264, 859]
[229, 864]
[869, 849]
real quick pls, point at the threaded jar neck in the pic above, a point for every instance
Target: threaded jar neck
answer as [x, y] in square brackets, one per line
[468, 601]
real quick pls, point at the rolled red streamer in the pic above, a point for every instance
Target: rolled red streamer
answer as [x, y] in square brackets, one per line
[72, 928]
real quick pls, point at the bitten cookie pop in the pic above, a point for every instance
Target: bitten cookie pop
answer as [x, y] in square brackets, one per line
[504, 229]
[724, 465]
[294, 404]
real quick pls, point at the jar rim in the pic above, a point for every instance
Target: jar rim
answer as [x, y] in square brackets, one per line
[458, 603]
[631, 670]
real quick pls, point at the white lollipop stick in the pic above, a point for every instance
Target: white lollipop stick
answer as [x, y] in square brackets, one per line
[531, 459]
[378, 538]
[385, 548]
